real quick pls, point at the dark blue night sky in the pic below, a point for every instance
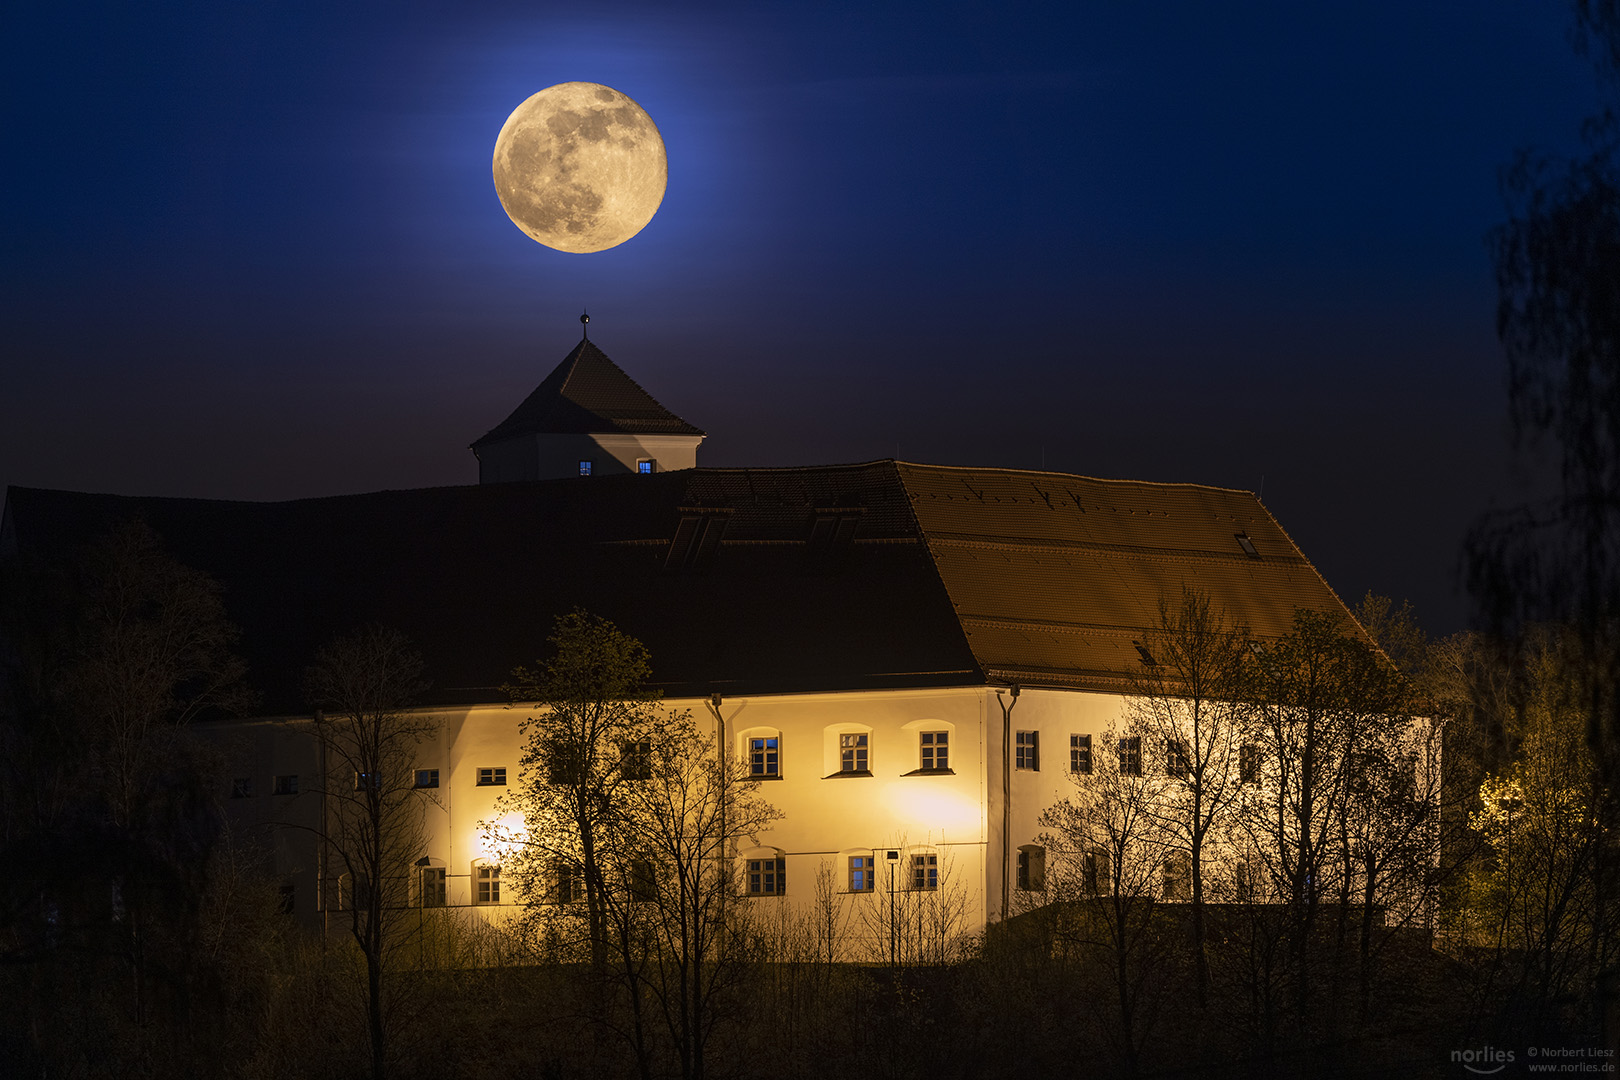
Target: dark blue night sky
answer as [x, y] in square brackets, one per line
[253, 251]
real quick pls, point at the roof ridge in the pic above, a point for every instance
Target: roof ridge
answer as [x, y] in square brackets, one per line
[1077, 476]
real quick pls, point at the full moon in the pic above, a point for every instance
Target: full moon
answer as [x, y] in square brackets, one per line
[580, 167]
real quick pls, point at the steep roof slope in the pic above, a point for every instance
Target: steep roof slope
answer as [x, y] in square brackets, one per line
[1055, 577]
[588, 394]
[741, 581]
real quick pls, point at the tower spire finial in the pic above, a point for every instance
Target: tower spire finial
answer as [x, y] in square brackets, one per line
[585, 326]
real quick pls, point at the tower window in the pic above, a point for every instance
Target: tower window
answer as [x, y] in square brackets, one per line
[584, 468]
[646, 466]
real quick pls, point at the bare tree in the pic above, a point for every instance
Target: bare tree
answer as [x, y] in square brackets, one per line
[373, 824]
[1190, 701]
[1107, 845]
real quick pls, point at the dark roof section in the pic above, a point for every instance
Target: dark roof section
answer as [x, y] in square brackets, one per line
[588, 394]
[741, 581]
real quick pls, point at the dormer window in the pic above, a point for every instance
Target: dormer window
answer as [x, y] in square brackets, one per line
[584, 468]
[646, 466]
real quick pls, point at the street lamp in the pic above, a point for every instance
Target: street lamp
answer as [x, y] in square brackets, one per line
[893, 859]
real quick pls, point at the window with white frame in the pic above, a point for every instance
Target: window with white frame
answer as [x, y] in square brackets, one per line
[434, 886]
[765, 756]
[936, 750]
[567, 882]
[852, 747]
[635, 759]
[1032, 868]
[1130, 755]
[1029, 750]
[492, 777]
[862, 873]
[1080, 753]
[427, 778]
[486, 882]
[1175, 759]
[924, 871]
[767, 876]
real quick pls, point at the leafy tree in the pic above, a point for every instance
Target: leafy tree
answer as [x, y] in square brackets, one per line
[373, 828]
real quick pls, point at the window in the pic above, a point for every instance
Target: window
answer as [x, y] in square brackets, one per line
[862, 873]
[584, 468]
[635, 759]
[567, 882]
[1130, 755]
[925, 872]
[1175, 877]
[564, 764]
[1147, 657]
[1094, 877]
[936, 750]
[289, 899]
[852, 753]
[1031, 868]
[367, 781]
[645, 466]
[285, 785]
[486, 883]
[1029, 750]
[643, 880]
[764, 757]
[697, 539]
[1175, 759]
[1248, 764]
[1243, 881]
[242, 787]
[433, 886]
[427, 777]
[491, 777]
[767, 877]
[1246, 544]
[1080, 753]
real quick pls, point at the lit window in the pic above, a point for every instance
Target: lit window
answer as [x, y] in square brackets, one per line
[862, 873]
[242, 787]
[427, 777]
[1248, 764]
[1031, 868]
[644, 466]
[925, 872]
[635, 759]
[1080, 753]
[852, 753]
[763, 757]
[285, 785]
[767, 877]
[1175, 759]
[433, 886]
[486, 884]
[1130, 755]
[936, 751]
[584, 468]
[491, 777]
[1029, 750]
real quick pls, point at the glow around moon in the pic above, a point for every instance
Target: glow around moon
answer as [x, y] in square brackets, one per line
[580, 167]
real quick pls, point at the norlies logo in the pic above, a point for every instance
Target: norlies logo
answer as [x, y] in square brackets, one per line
[1485, 1061]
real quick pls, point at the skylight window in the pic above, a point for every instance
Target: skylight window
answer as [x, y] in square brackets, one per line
[1147, 657]
[1246, 544]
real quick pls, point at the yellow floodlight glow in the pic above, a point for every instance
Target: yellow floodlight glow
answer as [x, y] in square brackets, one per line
[495, 838]
[924, 805]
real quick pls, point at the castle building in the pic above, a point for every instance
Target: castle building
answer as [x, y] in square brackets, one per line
[914, 656]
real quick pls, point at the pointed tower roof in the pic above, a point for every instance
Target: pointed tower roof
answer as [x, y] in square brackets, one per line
[588, 394]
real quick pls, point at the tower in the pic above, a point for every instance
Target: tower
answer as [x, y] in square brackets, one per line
[587, 418]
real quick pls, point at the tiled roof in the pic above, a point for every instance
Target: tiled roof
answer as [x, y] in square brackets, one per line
[588, 394]
[873, 576]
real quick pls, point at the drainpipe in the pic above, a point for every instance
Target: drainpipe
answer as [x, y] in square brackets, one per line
[714, 703]
[1006, 794]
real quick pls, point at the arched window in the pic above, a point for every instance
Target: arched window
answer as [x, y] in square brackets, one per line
[847, 750]
[761, 751]
[486, 881]
[764, 872]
